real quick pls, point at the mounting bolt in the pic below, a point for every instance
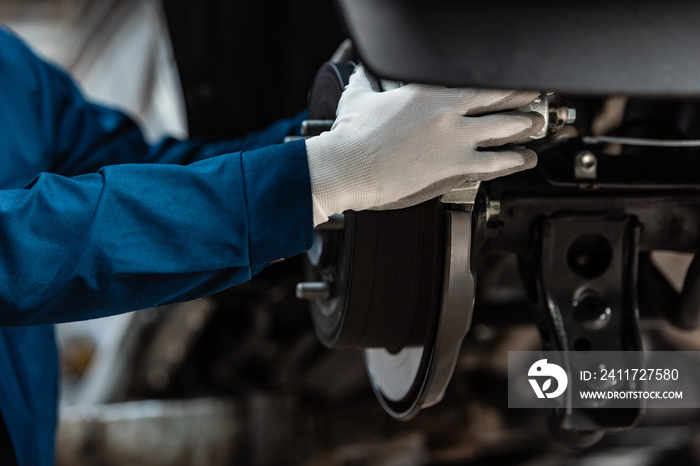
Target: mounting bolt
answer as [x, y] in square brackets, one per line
[588, 161]
[313, 290]
[586, 166]
[315, 127]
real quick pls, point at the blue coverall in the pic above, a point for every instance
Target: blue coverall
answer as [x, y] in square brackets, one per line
[87, 232]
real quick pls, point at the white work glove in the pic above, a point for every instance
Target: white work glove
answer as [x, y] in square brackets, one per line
[394, 149]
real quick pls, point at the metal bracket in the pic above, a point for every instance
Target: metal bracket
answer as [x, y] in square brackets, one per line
[464, 195]
[584, 284]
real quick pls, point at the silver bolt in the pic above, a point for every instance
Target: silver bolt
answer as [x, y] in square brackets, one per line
[570, 116]
[295, 138]
[313, 290]
[588, 161]
[586, 165]
[315, 127]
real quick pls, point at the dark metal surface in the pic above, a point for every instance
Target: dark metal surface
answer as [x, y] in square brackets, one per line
[623, 47]
[647, 184]
[636, 168]
[687, 315]
[417, 377]
[384, 272]
[329, 83]
[671, 222]
[583, 284]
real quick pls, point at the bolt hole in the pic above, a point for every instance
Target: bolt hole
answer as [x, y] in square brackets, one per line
[591, 311]
[591, 306]
[582, 344]
[589, 256]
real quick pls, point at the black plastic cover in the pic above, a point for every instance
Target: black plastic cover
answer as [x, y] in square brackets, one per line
[634, 47]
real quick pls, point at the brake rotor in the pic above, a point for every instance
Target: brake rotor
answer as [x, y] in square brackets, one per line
[417, 376]
[399, 284]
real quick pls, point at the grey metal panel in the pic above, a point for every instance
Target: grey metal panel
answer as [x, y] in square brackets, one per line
[639, 47]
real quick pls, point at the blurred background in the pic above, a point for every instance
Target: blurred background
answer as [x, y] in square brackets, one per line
[240, 378]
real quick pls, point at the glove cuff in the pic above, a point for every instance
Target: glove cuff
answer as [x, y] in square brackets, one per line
[341, 174]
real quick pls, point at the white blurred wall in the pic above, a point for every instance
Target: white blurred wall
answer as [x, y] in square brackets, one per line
[120, 54]
[118, 50]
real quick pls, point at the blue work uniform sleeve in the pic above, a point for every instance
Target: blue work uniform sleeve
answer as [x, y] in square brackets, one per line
[135, 236]
[84, 242]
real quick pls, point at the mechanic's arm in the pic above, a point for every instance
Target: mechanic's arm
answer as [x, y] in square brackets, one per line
[129, 236]
[135, 236]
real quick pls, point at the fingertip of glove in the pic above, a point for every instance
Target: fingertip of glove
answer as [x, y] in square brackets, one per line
[537, 121]
[507, 127]
[495, 164]
[533, 123]
[529, 158]
[484, 101]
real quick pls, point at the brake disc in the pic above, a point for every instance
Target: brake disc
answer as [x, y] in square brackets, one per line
[417, 376]
[396, 284]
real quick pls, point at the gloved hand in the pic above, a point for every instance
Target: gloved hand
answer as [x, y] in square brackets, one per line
[394, 149]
